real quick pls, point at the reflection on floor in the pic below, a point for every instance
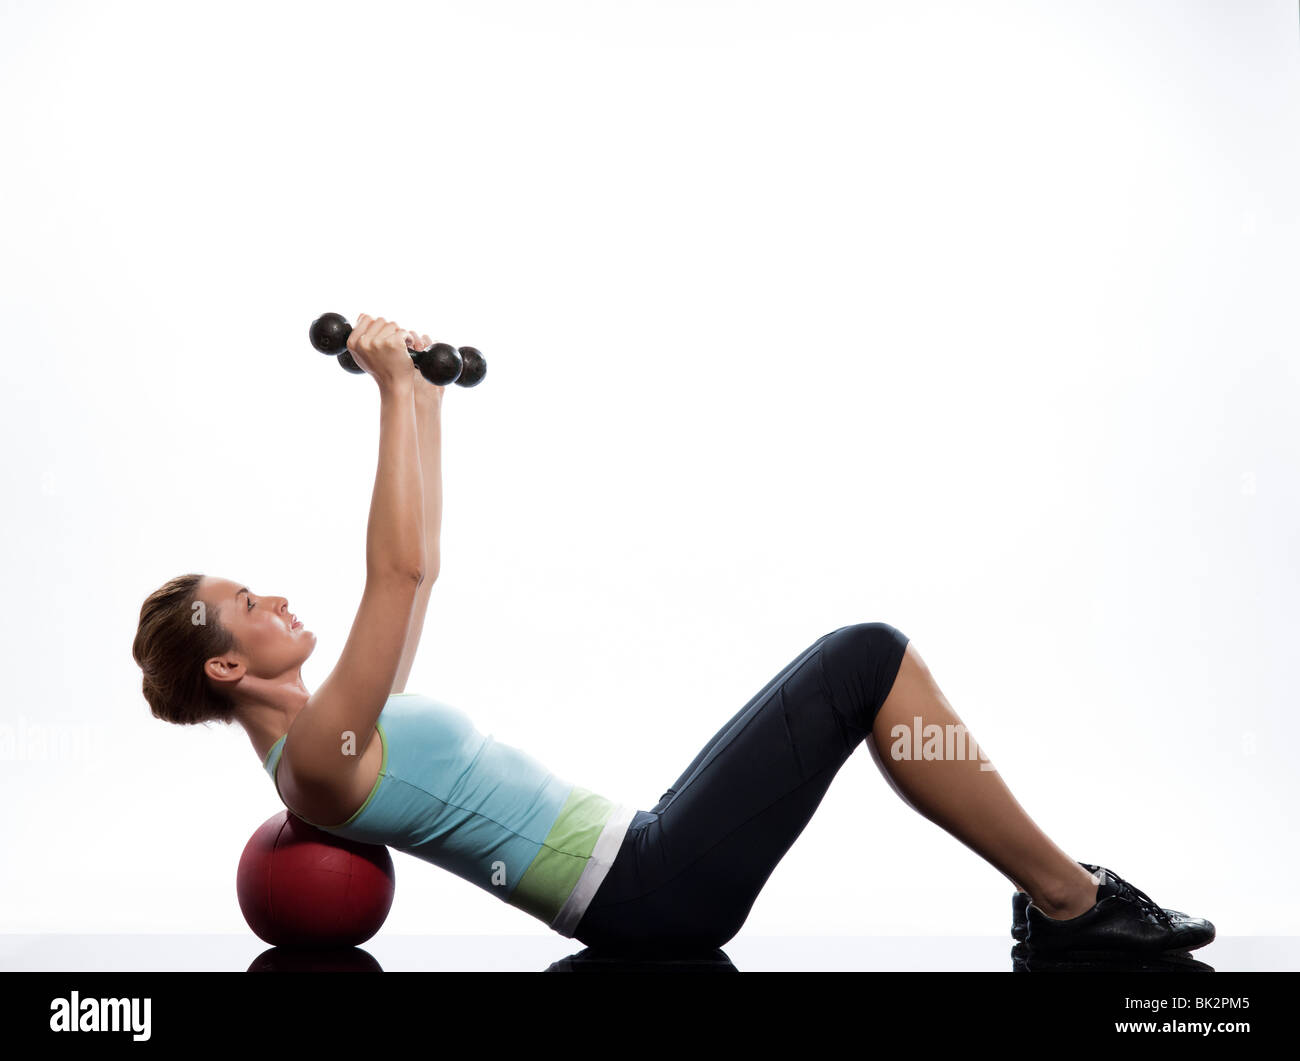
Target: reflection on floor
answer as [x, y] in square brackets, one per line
[542, 952]
[1024, 960]
[280, 959]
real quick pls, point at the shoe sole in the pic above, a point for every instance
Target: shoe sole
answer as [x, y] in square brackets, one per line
[1028, 960]
[1041, 951]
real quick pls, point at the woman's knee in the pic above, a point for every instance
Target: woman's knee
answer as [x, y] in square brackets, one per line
[865, 641]
[861, 661]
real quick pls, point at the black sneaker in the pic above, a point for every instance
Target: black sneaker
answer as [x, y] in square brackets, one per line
[1123, 919]
[1020, 903]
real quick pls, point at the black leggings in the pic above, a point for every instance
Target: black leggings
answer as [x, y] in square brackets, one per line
[689, 870]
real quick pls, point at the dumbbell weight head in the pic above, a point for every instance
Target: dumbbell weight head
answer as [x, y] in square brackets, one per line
[346, 362]
[440, 364]
[475, 368]
[329, 333]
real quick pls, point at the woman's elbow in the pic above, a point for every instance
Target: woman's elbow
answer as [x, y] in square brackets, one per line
[394, 573]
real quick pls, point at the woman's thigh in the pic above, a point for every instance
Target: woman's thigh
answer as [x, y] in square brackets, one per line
[690, 869]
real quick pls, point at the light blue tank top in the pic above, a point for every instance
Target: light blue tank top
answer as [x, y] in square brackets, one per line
[487, 812]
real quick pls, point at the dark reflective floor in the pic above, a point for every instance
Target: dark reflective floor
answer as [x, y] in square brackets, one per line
[177, 953]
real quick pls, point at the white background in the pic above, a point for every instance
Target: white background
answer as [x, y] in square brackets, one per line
[977, 319]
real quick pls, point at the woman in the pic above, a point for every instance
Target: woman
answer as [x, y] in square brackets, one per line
[362, 758]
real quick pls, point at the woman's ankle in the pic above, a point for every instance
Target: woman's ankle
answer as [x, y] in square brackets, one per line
[1062, 900]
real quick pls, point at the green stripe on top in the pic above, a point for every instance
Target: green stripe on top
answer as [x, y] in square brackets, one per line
[559, 862]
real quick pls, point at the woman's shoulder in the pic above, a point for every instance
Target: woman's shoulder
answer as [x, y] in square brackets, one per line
[317, 751]
[326, 786]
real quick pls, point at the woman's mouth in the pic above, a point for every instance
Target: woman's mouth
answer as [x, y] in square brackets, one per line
[295, 625]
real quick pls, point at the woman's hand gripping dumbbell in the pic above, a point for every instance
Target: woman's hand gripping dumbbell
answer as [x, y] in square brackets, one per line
[440, 364]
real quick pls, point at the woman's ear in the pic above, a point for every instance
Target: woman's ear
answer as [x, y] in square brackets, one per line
[224, 669]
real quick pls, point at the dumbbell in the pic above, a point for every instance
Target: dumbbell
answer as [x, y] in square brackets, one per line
[441, 364]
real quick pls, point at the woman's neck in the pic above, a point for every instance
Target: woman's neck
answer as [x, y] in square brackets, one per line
[272, 714]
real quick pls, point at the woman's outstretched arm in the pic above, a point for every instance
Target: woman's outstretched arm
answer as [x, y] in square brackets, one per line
[340, 716]
[428, 421]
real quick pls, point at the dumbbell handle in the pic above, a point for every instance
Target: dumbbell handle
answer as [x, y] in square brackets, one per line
[441, 364]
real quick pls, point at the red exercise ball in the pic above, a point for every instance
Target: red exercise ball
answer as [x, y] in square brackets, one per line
[302, 887]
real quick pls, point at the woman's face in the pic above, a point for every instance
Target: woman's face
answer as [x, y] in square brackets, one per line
[270, 641]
